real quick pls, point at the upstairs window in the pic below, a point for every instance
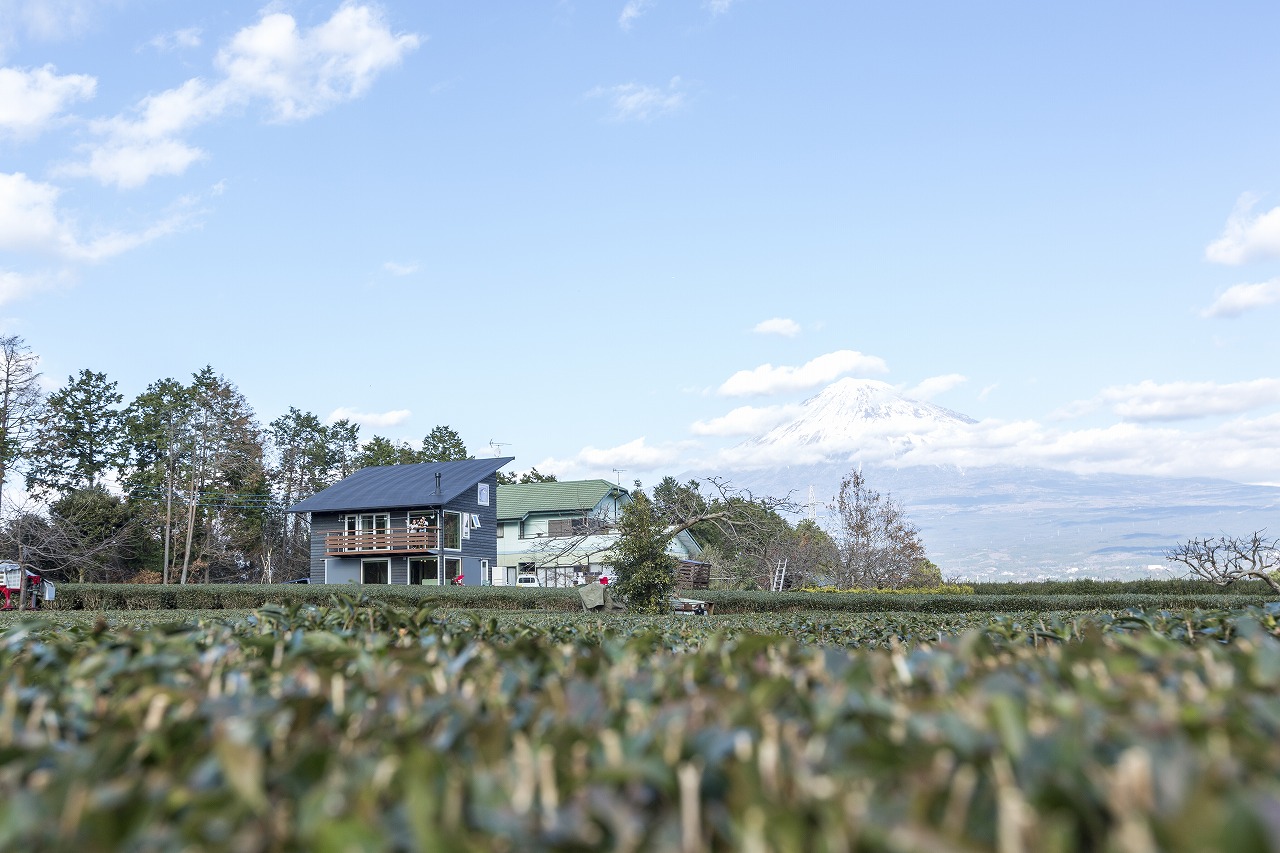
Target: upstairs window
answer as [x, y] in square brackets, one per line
[451, 531]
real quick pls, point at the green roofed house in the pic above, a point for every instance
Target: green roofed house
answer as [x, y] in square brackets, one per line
[561, 533]
[430, 523]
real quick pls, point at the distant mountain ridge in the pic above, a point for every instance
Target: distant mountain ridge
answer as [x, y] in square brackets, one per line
[995, 521]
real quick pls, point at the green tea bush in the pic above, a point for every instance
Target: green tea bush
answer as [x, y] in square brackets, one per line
[940, 589]
[1145, 586]
[364, 724]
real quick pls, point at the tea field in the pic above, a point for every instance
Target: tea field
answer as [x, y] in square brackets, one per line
[372, 725]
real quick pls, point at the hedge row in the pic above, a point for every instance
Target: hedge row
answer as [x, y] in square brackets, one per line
[96, 596]
[251, 596]
[1146, 586]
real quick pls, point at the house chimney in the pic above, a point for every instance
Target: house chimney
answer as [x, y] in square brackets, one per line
[437, 482]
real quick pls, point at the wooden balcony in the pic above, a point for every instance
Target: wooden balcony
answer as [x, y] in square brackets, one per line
[393, 541]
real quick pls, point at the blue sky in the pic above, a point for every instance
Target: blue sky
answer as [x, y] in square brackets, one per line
[625, 235]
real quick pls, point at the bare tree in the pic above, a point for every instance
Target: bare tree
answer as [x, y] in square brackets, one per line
[729, 519]
[84, 538]
[19, 402]
[1227, 559]
[877, 545]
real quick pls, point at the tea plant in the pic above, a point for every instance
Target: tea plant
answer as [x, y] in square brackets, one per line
[363, 724]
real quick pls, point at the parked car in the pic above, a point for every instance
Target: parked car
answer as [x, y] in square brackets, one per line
[300, 580]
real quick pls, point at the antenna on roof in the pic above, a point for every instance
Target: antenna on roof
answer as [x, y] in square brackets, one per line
[497, 446]
[618, 473]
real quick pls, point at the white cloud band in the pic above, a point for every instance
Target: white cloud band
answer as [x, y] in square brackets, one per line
[1247, 237]
[1240, 298]
[767, 379]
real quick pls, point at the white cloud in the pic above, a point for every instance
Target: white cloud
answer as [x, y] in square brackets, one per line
[745, 420]
[16, 285]
[1150, 401]
[1240, 298]
[633, 10]
[31, 222]
[30, 100]
[1241, 449]
[373, 420]
[767, 379]
[1173, 401]
[296, 73]
[636, 459]
[1247, 237]
[131, 164]
[49, 20]
[719, 7]
[634, 454]
[304, 73]
[636, 102]
[400, 269]
[777, 326]
[935, 385]
[183, 39]
[29, 217]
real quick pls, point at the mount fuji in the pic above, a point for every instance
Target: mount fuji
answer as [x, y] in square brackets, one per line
[843, 413]
[981, 519]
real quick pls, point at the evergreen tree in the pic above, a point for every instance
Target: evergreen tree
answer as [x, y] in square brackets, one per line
[383, 451]
[644, 571]
[82, 435]
[344, 446]
[307, 459]
[226, 481]
[443, 444]
[159, 441]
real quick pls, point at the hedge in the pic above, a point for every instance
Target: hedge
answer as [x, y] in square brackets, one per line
[1146, 586]
[251, 596]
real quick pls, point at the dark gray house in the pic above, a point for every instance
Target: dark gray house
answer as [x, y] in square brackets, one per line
[429, 523]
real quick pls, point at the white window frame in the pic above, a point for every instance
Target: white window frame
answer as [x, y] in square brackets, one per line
[359, 527]
[461, 533]
[375, 560]
[408, 570]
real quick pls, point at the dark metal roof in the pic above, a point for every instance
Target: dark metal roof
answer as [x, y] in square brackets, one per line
[392, 486]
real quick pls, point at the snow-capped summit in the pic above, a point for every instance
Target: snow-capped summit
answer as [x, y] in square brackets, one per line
[843, 413]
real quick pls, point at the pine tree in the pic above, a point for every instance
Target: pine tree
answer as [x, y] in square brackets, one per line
[644, 571]
[443, 444]
[82, 435]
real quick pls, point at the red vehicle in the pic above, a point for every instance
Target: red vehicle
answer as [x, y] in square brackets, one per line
[37, 587]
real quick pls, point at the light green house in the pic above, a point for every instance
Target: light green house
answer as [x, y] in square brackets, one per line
[561, 533]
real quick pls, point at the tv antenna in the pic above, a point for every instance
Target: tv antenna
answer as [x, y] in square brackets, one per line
[497, 446]
[617, 472]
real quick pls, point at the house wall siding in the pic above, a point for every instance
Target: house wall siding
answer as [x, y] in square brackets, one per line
[479, 547]
[321, 523]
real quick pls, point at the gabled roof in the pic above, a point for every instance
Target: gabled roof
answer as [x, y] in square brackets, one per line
[517, 501]
[392, 486]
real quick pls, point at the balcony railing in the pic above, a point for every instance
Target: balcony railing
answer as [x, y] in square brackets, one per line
[393, 541]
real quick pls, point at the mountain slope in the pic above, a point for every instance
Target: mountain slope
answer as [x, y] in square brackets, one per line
[844, 413]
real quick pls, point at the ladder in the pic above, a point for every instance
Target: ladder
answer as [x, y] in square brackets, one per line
[779, 576]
